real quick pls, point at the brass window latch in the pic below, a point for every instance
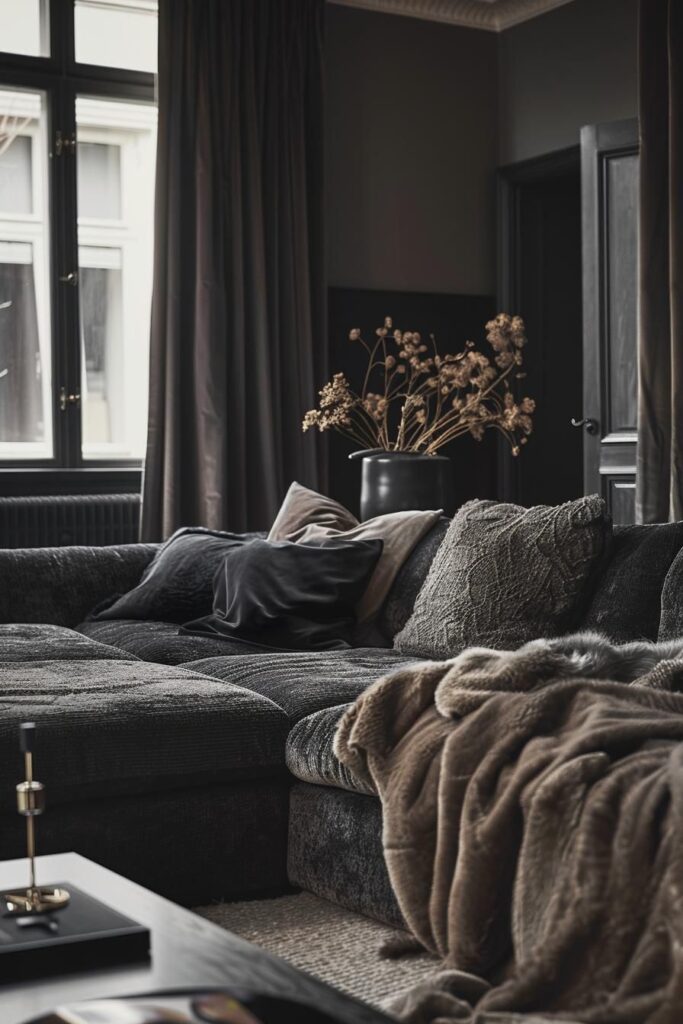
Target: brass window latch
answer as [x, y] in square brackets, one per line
[64, 144]
[65, 399]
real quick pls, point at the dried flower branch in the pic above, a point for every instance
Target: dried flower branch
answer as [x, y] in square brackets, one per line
[423, 400]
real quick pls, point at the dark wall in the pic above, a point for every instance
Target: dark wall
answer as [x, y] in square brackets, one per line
[419, 116]
[573, 66]
[411, 150]
[411, 153]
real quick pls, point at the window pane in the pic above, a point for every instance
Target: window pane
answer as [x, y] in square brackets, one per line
[99, 180]
[16, 173]
[24, 27]
[116, 158]
[117, 33]
[25, 387]
[103, 353]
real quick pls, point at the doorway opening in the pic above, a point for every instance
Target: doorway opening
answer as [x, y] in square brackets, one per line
[540, 278]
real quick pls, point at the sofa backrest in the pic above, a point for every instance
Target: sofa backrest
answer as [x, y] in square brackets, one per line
[626, 601]
[405, 588]
[62, 585]
[671, 622]
[639, 583]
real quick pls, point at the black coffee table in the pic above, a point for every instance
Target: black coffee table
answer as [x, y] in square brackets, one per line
[187, 952]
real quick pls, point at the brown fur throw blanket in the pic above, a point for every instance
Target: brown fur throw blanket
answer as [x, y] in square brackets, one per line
[533, 832]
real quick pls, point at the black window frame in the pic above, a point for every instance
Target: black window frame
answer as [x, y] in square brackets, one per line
[61, 78]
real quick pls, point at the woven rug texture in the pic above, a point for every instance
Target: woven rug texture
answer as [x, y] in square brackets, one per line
[337, 946]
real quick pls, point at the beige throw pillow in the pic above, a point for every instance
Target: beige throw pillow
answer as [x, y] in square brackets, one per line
[307, 516]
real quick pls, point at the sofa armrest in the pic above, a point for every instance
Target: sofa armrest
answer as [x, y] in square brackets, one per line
[62, 585]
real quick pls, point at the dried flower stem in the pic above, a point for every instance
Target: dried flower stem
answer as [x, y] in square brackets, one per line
[427, 401]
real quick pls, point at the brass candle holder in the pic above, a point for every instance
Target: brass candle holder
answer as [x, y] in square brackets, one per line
[36, 899]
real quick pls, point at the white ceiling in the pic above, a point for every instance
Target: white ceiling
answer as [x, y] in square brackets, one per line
[490, 15]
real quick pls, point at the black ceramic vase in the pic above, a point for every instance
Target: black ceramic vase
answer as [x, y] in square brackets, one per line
[400, 481]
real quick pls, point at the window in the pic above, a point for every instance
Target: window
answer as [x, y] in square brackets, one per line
[115, 157]
[123, 33]
[24, 27]
[25, 354]
[77, 164]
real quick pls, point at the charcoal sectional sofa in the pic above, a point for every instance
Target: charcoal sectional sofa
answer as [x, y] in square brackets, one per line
[206, 773]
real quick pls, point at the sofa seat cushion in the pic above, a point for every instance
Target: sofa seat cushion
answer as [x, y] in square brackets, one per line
[302, 682]
[160, 642]
[107, 728]
[32, 642]
[310, 756]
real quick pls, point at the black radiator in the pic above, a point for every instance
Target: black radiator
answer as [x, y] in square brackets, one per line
[54, 521]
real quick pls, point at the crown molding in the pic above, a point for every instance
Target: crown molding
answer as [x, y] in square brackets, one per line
[488, 15]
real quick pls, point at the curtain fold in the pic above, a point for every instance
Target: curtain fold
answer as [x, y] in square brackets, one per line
[238, 338]
[659, 481]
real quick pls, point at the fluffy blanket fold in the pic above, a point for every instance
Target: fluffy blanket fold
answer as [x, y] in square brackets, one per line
[533, 832]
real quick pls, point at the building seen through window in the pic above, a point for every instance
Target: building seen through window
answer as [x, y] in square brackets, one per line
[106, 272]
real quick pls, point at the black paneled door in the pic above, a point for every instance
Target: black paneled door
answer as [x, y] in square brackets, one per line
[609, 173]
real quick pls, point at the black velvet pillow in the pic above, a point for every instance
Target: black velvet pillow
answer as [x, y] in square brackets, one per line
[290, 596]
[178, 583]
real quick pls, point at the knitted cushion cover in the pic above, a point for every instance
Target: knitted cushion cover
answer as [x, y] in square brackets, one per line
[504, 575]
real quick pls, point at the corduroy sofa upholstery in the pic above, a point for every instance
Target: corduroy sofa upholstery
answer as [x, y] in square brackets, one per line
[204, 772]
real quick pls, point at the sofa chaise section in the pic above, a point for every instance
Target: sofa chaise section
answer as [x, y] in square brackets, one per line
[167, 776]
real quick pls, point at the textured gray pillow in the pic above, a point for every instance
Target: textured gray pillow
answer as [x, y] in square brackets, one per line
[504, 575]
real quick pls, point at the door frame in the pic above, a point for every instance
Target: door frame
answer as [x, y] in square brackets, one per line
[511, 179]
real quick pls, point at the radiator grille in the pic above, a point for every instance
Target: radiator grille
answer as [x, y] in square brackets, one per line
[55, 521]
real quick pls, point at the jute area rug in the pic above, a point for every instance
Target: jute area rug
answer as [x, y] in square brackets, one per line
[337, 946]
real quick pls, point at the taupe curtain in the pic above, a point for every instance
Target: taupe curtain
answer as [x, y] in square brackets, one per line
[238, 345]
[659, 485]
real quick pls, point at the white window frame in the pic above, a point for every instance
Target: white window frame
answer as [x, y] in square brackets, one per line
[128, 126]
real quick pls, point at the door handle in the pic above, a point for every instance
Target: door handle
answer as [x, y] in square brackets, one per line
[588, 422]
[71, 278]
[65, 399]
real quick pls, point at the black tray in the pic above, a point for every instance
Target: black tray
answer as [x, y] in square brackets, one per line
[90, 934]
